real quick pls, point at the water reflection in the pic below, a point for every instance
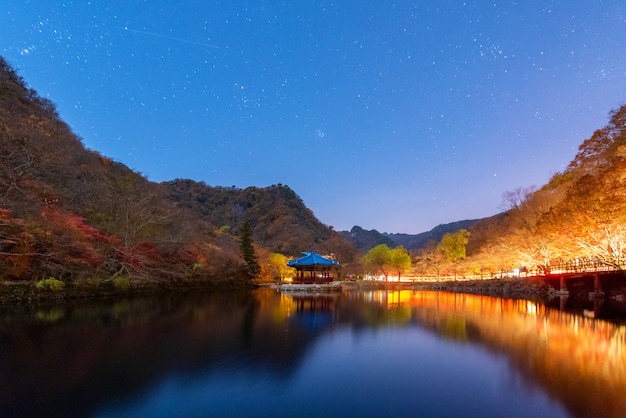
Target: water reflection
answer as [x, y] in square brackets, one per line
[579, 361]
[266, 353]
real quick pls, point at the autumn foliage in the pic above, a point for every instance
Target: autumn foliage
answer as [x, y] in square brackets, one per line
[577, 219]
[70, 213]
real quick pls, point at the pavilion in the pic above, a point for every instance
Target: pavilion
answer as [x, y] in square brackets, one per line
[313, 268]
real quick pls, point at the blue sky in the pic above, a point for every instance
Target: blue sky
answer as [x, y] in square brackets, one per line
[395, 116]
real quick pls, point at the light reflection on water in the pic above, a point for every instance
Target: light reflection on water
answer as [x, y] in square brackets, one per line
[375, 353]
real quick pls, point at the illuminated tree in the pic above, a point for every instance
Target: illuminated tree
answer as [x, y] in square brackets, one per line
[591, 221]
[599, 150]
[399, 260]
[378, 259]
[529, 235]
[429, 258]
[593, 218]
[384, 260]
[452, 245]
[278, 268]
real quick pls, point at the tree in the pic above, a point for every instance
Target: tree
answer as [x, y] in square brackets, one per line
[519, 204]
[278, 268]
[378, 259]
[592, 220]
[529, 235]
[429, 258]
[247, 251]
[400, 260]
[452, 245]
[598, 151]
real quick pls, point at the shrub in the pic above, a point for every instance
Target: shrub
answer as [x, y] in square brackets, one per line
[121, 283]
[50, 284]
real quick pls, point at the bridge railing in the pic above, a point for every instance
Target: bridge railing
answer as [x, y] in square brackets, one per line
[577, 265]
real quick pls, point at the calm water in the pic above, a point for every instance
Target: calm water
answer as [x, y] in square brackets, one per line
[263, 353]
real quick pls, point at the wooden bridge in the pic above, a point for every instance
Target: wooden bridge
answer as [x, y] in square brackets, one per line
[560, 274]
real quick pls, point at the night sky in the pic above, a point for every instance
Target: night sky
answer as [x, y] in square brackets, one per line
[395, 116]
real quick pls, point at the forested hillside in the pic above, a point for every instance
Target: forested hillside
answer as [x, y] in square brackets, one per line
[278, 217]
[577, 219]
[576, 222]
[68, 213]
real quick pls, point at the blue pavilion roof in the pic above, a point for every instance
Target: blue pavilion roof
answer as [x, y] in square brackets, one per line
[312, 259]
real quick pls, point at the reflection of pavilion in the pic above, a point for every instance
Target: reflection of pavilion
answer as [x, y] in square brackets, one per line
[315, 312]
[313, 268]
[317, 303]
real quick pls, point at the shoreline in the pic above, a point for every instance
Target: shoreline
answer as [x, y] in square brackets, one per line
[522, 287]
[17, 293]
[509, 287]
[535, 288]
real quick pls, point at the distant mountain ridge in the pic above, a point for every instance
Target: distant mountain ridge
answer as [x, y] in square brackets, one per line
[365, 240]
[417, 241]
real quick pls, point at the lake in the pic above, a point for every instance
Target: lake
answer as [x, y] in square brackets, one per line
[263, 353]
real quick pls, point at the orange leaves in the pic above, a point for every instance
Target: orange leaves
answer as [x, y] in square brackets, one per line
[5, 217]
[70, 239]
[71, 224]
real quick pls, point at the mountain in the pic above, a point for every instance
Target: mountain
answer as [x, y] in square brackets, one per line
[576, 221]
[278, 217]
[71, 213]
[364, 240]
[417, 241]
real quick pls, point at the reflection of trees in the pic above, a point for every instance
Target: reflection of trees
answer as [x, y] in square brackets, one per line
[580, 361]
[455, 328]
[70, 359]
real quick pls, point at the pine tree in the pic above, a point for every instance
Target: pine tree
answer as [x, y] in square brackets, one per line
[247, 251]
